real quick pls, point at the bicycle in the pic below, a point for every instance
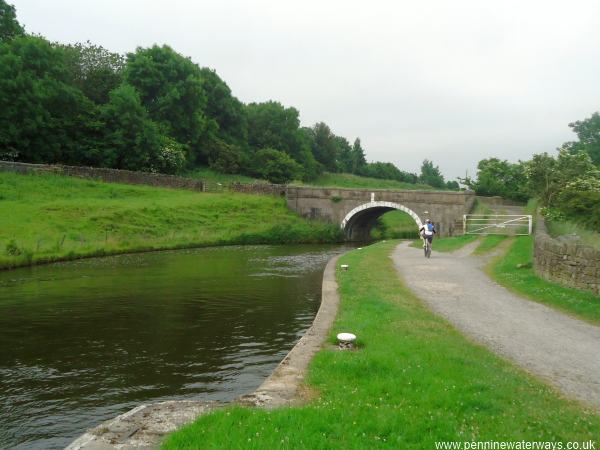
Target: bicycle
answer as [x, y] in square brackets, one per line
[427, 248]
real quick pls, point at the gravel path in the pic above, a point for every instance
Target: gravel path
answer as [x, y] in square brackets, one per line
[560, 349]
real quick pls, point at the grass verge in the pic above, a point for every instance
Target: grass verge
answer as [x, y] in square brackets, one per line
[47, 218]
[413, 381]
[525, 282]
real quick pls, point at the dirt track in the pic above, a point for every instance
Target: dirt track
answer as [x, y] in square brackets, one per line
[560, 349]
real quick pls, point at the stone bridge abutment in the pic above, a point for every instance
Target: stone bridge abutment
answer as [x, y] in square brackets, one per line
[356, 210]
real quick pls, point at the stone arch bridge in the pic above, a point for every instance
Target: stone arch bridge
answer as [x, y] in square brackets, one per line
[356, 210]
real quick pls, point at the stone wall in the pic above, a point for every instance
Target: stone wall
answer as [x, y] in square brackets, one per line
[107, 175]
[566, 261]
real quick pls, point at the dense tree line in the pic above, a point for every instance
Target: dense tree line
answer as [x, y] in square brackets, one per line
[156, 110]
[567, 185]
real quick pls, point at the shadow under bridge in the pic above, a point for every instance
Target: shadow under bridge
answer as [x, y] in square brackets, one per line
[358, 223]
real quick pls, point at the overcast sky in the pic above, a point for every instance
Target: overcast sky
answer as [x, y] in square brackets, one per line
[452, 81]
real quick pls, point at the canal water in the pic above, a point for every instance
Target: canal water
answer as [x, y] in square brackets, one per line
[84, 341]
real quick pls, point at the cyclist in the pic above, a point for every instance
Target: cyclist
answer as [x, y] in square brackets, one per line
[427, 231]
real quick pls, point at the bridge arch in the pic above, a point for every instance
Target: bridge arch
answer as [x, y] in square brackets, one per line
[358, 223]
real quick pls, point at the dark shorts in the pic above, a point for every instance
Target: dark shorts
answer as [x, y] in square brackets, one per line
[429, 238]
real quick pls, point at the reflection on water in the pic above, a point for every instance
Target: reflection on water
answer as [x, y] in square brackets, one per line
[84, 341]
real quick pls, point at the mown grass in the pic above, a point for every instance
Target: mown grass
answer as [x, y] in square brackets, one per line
[525, 282]
[413, 381]
[447, 244]
[47, 218]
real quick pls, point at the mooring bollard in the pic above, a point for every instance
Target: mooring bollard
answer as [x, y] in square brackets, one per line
[346, 341]
[344, 266]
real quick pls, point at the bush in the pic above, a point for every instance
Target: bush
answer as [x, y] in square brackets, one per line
[171, 157]
[275, 166]
[226, 158]
[580, 201]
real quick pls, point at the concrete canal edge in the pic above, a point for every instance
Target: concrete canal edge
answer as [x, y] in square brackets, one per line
[145, 426]
[282, 386]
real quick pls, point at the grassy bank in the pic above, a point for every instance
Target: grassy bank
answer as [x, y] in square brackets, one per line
[525, 282]
[413, 381]
[47, 217]
[327, 179]
[347, 180]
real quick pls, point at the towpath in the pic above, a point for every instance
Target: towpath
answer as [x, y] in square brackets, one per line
[560, 349]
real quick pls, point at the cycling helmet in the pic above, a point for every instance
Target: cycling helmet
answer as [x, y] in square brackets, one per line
[428, 221]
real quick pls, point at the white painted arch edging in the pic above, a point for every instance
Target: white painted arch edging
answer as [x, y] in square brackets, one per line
[371, 205]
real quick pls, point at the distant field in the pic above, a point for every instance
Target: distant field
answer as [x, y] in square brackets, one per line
[346, 180]
[207, 174]
[341, 180]
[49, 217]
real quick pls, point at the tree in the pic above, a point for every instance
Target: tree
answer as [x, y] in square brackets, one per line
[132, 140]
[43, 117]
[172, 91]
[588, 132]
[222, 107]
[271, 125]
[386, 171]
[9, 26]
[277, 167]
[96, 71]
[452, 185]
[431, 175]
[344, 161]
[580, 199]
[324, 146]
[547, 176]
[227, 158]
[358, 157]
[502, 178]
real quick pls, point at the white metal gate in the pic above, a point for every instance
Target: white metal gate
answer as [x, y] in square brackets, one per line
[512, 225]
